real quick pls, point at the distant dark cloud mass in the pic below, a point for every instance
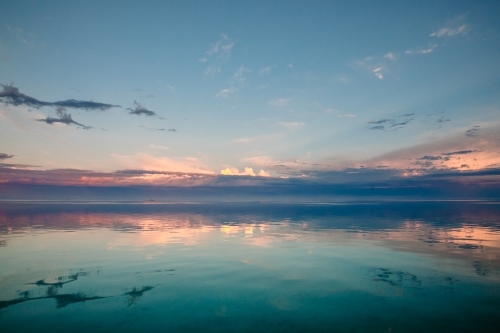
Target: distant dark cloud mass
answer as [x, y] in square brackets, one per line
[139, 109]
[11, 96]
[461, 152]
[4, 156]
[389, 124]
[64, 118]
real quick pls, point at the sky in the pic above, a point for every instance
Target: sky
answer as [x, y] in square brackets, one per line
[209, 92]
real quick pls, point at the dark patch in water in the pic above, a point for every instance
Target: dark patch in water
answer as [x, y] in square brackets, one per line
[470, 246]
[62, 280]
[396, 278]
[66, 299]
[135, 294]
[480, 268]
[156, 271]
[61, 300]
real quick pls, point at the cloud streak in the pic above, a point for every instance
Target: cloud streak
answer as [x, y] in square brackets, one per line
[448, 31]
[11, 96]
[139, 110]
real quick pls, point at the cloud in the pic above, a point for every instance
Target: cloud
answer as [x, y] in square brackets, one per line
[452, 152]
[279, 102]
[266, 70]
[203, 60]
[378, 72]
[390, 124]
[340, 115]
[290, 65]
[211, 70]
[448, 31]
[224, 93]
[153, 146]
[221, 47]
[139, 109]
[4, 156]
[63, 118]
[413, 52]
[390, 56]
[472, 132]
[11, 96]
[148, 162]
[246, 172]
[240, 72]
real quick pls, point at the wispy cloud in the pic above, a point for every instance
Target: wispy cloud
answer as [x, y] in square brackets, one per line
[390, 56]
[225, 93]
[139, 109]
[217, 53]
[11, 96]
[429, 50]
[266, 70]
[211, 70]
[279, 102]
[449, 31]
[222, 46]
[240, 72]
[340, 115]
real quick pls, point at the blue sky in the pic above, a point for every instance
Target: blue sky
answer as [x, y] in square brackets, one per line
[282, 89]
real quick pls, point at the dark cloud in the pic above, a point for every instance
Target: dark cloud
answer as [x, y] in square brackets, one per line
[11, 96]
[64, 118]
[141, 110]
[389, 123]
[472, 132]
[381, 121]
[4, 156]
[430, 158]
[461, 152]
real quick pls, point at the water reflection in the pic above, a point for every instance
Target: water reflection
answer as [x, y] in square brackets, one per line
[253, 267]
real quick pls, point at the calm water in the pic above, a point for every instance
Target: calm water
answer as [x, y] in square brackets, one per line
[364, 267]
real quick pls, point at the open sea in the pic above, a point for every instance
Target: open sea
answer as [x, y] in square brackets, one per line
[407, 266]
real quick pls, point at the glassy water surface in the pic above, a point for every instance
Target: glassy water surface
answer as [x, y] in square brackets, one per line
[250, 267]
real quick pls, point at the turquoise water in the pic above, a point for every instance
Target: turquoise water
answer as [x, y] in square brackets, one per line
[254, 267]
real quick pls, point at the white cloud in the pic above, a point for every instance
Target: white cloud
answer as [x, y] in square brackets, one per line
[265, 70]
[340, 115]
[413, 52]
[246, 172]
[203, 60]
[290, 65]
[171, 88]
[378, 72]
[153, 146]
[448, 31]
[222, 46]
[240, 72]
[224, 93]
[211, 70]
[279, 102]
[390, 56]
